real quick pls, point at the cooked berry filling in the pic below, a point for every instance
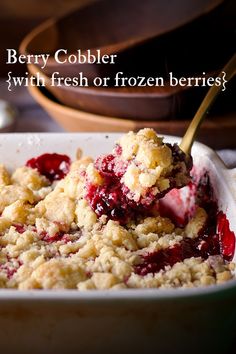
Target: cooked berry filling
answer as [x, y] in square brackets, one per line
[215, 238]
[115, 200]
[110, 223]
[53, 166]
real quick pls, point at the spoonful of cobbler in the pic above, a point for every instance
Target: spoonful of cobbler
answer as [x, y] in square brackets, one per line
[142, 168]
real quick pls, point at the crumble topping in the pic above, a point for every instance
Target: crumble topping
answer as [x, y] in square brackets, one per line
[140, 170]
[98, 224]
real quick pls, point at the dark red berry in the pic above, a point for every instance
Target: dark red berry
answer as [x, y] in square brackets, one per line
[53, 166]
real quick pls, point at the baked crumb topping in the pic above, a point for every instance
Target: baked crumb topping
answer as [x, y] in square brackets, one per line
[100, 226]
[140, 170]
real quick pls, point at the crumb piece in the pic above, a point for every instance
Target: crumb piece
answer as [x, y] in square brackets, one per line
[196, 224]
[4, 176]
[30, 178]
[104, 281]
[85, 216]
[58, 274]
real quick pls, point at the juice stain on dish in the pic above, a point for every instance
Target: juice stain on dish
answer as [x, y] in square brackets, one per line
[226, 236]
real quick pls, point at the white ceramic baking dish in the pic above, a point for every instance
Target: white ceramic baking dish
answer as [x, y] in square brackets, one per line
[199, 320]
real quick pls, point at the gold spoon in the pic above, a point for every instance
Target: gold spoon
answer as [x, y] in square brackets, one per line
[189, 136]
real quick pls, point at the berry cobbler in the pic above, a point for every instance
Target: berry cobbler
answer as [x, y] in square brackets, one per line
[137, 217]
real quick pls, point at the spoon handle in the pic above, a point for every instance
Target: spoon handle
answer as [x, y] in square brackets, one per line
[189, 136]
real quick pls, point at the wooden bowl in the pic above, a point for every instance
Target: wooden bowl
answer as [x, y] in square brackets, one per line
[110, 26]
[218, 132]
[171, 52]
[76, 120]
[140, 104]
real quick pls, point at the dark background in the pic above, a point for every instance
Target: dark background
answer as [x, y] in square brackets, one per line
[18, 17]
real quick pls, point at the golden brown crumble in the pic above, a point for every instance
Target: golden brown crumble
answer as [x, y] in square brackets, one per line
[51, 238]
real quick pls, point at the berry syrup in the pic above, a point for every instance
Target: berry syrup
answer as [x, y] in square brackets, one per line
[53, 166]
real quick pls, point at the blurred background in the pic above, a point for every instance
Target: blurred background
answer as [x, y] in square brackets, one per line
[150, 38]
[18, 17]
